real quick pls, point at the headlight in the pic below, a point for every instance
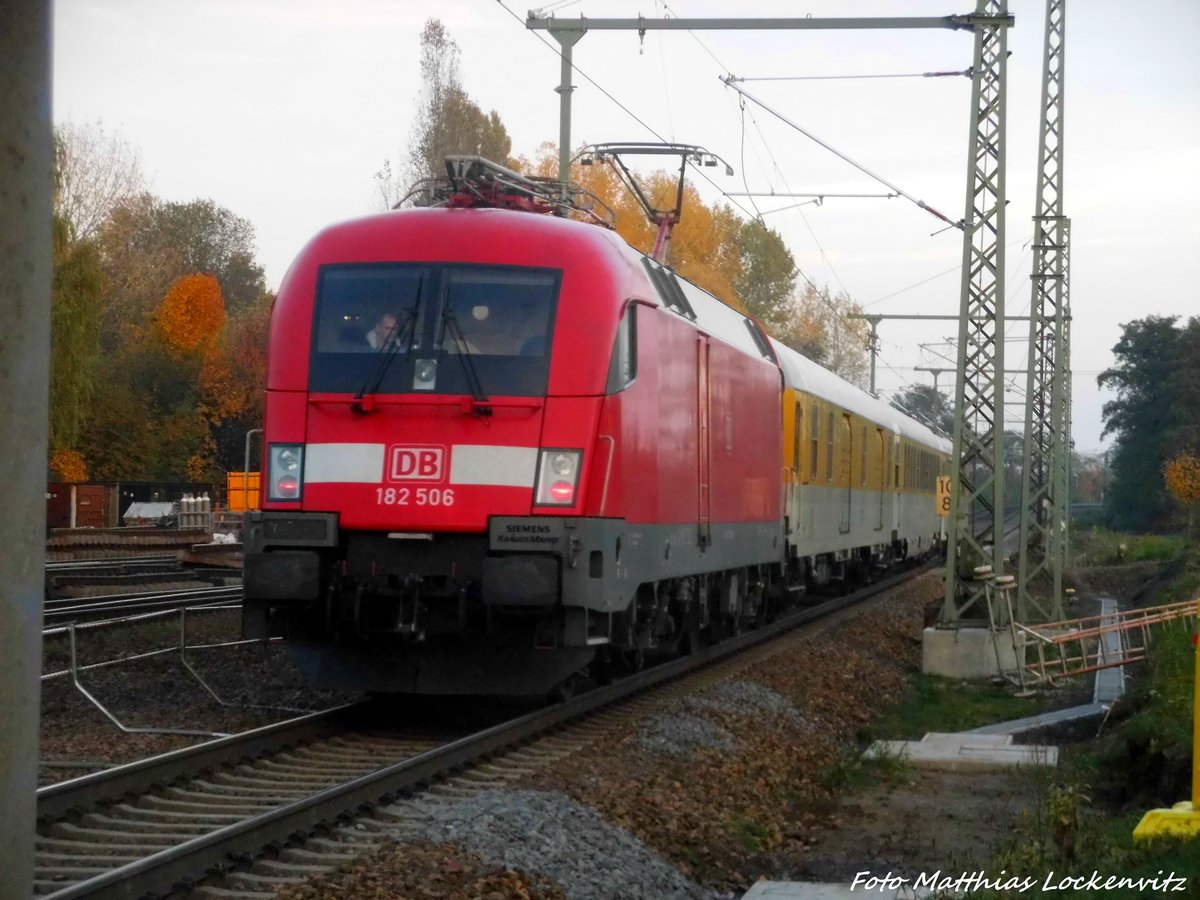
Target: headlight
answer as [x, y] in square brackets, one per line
[557, 477]
[289, 459]
[564, 463]
[284, 467]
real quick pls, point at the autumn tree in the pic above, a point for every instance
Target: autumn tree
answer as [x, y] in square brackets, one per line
[767, 279]
[823, 331]
[926, 404]
[68, 465]
[96, 172]
[1147, 412]
[233, 380]
[447, 120]
[75, 309]
[192, 313]
[1182, 477]
[146, 244]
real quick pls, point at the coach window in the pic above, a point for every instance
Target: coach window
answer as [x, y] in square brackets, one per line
[622, 366]
[816, 442]
[829, 449]
[864, 455]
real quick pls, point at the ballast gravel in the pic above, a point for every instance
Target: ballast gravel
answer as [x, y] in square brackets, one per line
[682, 734]
[548, 833]
[741, 697]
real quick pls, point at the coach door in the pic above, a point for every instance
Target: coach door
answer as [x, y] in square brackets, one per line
[881, 440]
[847, 462]
[703, 440]
[795, 493]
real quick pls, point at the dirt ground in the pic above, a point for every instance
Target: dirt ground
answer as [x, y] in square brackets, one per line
[937, 820]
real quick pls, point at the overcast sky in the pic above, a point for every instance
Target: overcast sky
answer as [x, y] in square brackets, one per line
[283, 110]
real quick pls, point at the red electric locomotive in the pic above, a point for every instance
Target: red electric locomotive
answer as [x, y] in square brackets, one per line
[503, 450]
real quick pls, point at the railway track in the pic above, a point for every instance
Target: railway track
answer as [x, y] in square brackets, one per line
[88, 566]
[75, 609]
[265, 788]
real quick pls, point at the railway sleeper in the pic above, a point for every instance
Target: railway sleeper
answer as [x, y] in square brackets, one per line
[152, 814]
[49, 845]
[68, 874]
[104, 860]
[233, 813]
[214, 798]
[147, 843]
[143, 829]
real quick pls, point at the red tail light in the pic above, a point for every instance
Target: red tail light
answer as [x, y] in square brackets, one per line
[563, 492]
[287, 487]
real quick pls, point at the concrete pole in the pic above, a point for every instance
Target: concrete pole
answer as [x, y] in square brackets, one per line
[26, 160]
[567, 38]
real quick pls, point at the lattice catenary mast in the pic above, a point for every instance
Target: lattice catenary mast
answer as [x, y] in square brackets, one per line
[1044, 509]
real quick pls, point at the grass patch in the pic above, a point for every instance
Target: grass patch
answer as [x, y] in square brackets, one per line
[1101, 547]
[855, 771]
[753, 837]
[943, 704]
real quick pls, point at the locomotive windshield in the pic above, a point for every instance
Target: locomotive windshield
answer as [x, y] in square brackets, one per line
[501, 317]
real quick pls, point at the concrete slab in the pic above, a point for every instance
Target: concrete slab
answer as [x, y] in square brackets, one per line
[967, 751]
[966, 653]
[1057, 717]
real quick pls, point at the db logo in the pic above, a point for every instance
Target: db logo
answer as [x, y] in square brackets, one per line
[416, 463]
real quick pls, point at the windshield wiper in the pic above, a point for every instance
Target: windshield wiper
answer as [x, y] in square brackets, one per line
[399, 336]
[450, 322]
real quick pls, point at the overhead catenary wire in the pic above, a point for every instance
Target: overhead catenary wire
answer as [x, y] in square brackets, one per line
[728, 80]
[966, 73]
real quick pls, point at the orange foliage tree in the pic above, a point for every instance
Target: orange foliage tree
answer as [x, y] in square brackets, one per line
[68, 465]
[192, 313]
[1182, 475]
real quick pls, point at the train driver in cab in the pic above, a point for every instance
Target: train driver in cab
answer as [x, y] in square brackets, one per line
[383, 333]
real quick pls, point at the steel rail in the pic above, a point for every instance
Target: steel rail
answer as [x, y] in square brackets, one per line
[160, 872]
[74, 565]
[69, 608]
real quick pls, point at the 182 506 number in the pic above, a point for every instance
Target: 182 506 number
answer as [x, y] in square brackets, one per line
[414, 496]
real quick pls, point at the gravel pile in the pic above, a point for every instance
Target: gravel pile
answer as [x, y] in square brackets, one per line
[746, 698]
[682, 734]
[553, 836]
